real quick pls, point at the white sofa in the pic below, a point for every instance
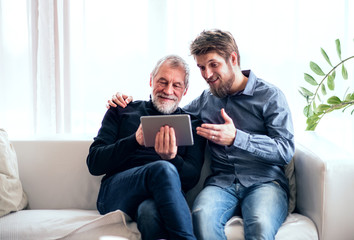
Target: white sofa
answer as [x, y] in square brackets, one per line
[62, 195]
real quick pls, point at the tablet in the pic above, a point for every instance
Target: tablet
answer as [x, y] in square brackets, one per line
[181, 124]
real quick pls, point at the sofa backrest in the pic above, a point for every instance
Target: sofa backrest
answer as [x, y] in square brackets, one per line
[54, 174]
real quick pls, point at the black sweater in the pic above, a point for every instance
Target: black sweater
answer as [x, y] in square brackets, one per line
[115, 148]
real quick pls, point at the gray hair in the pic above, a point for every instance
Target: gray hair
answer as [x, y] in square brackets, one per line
[174, 61]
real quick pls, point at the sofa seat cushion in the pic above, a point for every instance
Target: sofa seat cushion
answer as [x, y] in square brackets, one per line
[66, 224]
[295, 227]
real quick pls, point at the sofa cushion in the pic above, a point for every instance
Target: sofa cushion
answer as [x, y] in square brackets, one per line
[68, 224]
[295, 227]
[12, 197]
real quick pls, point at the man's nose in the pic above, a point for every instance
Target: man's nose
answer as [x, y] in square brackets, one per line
[168, 89]
[207, 73]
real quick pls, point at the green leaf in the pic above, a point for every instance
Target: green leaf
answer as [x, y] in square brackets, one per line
[334, 74]
[334, 100]
[352, 112]
[303, 95]
[349, 97]
[330, 82]
[308, 111]
[312, 122]
[312, 119]
[310, 79]
[352, 97]
[316, 69]
[319, 99]
[306, 92]
[311, 127]
[344, 72]
[324, 54]
[322, 108]
[339, 51]
[323, 90]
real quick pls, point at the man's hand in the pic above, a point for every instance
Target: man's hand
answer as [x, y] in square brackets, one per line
[139, 135]
[165, 143]
[222, 134]
[119, 99]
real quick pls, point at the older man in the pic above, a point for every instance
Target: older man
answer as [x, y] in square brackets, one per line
[143, 181]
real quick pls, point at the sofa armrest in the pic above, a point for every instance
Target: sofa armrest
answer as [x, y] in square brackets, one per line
[325, 183]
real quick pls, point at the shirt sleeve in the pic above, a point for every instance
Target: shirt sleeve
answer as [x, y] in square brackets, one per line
[104, 150]
[277, 145]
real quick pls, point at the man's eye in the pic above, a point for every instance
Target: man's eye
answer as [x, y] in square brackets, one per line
[178, 86]
[214, 65]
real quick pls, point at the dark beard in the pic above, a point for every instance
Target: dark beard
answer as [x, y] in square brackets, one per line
[223, 90]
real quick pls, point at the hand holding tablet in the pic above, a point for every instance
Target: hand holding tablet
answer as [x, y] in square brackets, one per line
[181, 124]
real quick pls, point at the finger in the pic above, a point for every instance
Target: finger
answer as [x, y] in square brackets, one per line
[203, 132]
[129, 99]
[126, 98]
[207, 133]
[111, 104]
[157, 141]
[173, 137]
[120, 100]
[225, 116]
[166, 139]
[139, 135]
[161, 139]
[215, 127]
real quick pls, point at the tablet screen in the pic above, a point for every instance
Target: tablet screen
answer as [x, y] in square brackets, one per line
[181, 124]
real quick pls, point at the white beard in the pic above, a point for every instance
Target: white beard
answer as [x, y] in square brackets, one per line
[165, 108]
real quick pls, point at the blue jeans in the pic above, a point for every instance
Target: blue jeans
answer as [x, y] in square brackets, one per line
[150, 222]
[263, 207]
[158, 181]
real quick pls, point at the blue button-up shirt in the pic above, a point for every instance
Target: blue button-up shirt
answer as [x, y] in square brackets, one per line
[264, 141]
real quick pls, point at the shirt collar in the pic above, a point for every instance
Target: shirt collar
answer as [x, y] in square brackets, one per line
[250, 85]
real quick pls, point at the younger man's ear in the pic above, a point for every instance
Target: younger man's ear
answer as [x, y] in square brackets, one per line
[233, 58]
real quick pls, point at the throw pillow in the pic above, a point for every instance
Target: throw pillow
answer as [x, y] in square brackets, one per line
[12, 196]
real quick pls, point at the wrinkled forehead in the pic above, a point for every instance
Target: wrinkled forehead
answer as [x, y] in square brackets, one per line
[170, 73]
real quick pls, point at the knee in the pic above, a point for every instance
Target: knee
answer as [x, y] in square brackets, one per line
[199, 211]
[163, 170]
[202, 212]
[259, 228]
[147, 211]
[206, 223]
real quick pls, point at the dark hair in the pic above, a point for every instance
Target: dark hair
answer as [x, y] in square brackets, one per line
[222, 42]
[174, 61]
